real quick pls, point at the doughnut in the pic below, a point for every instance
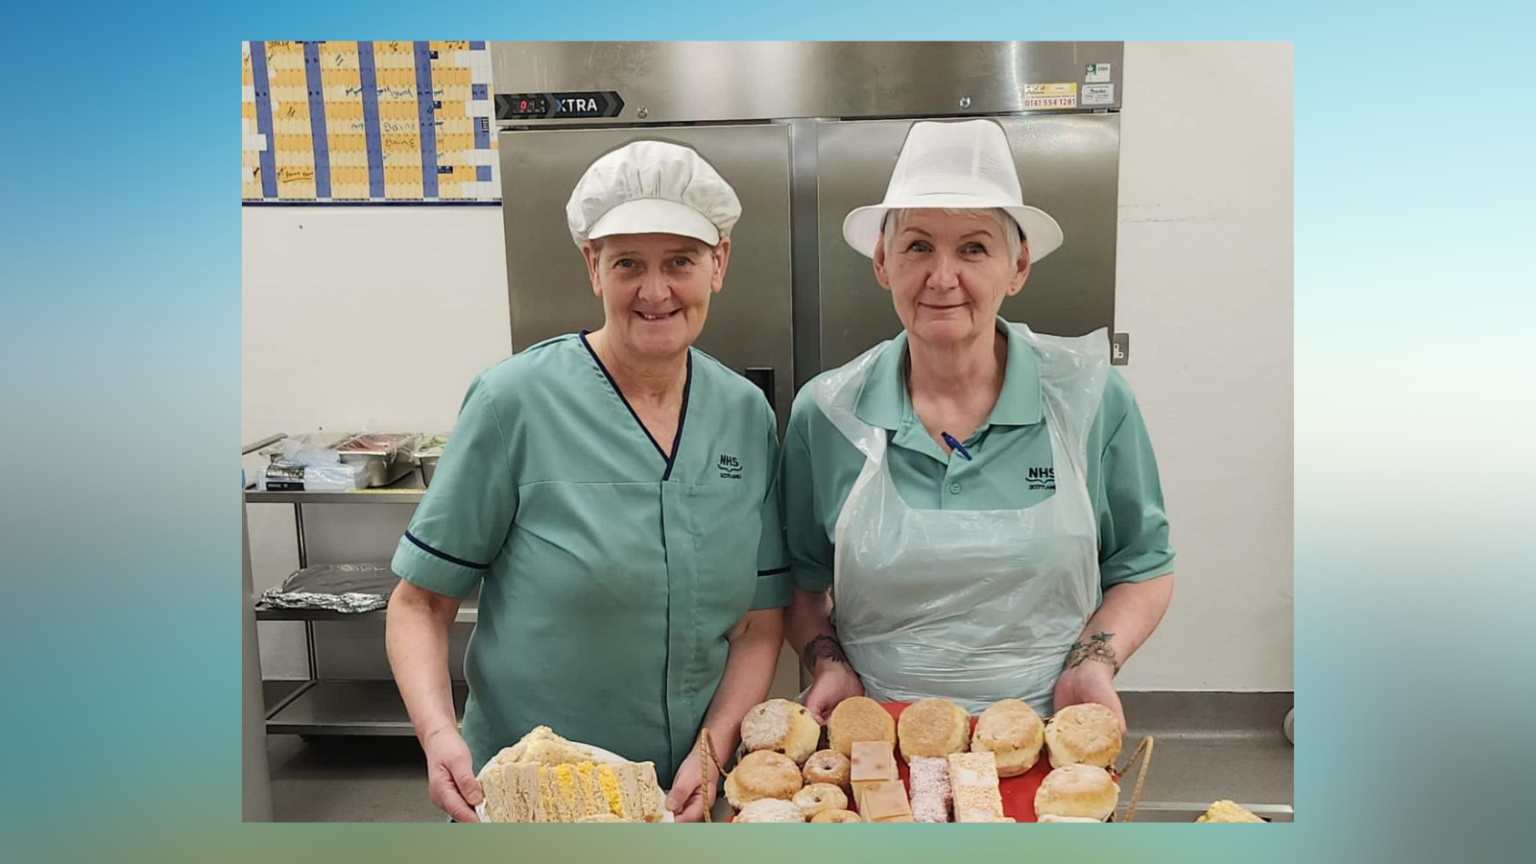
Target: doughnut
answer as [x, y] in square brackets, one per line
[827, 766]
[820, 796]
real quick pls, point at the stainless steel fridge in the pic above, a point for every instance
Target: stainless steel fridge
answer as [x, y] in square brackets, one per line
[804, 131]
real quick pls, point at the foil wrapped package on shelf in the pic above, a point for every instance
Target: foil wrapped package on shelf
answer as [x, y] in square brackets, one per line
[334, 587]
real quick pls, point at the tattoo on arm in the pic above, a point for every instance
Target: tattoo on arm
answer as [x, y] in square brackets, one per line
[1097, 648]
[823, 646]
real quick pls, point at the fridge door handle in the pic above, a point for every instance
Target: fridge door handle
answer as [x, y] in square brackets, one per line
[762, 376]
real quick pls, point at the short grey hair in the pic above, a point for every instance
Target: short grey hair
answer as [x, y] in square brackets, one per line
[1011, 231]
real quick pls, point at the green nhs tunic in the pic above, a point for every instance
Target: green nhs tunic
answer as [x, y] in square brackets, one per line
[610, 576]
[1010, 467]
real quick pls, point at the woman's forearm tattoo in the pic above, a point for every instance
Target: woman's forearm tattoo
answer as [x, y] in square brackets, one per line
[1097, 648]
[823, 646]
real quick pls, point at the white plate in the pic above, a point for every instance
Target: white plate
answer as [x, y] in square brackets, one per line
[598, 755]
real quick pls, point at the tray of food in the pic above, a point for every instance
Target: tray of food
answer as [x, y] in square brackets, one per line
[427, 453]
[545, 778]
[928, 761]
[386, 456]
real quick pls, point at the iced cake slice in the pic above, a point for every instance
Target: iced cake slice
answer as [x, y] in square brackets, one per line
[973, 786]
[885, 801]
[871, 762]
[930, 788]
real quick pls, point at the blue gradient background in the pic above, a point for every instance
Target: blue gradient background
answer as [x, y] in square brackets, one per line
[120, 325]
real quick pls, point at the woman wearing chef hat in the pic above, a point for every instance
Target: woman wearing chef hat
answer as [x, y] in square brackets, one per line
[981, 500]
[613, 495]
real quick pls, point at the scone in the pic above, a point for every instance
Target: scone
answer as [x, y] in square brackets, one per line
[783, 727]
[827, 766]
[1083, 791]
[1227, 811]
[934, 728]
[837, 816]
[770, 810]
[819, 797]
[1013, 732]
[1087, 734]
[858, 718]
[1049, 818]
[762, 774]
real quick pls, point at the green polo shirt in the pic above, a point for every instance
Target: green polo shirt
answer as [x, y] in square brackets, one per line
[610, 575]
[820, 466]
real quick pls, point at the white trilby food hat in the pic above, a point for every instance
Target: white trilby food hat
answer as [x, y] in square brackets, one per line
[964, 165]
[652, 187]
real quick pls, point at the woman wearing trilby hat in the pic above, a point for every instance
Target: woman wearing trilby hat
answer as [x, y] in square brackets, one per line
[613, 494]
[981, 500]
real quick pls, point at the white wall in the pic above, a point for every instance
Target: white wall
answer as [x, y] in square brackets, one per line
[1204, 288]
[358, 318]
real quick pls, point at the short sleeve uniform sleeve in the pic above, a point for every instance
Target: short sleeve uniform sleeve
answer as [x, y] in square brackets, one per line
[464, 518]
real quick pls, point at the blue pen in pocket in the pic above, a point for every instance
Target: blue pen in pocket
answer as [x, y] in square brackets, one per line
[956, 445]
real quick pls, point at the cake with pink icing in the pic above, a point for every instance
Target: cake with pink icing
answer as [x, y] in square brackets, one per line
[929, 778]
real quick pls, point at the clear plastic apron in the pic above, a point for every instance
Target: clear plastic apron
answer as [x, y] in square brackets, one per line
[975, 605]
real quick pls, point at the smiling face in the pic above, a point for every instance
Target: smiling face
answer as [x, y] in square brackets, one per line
[655, 288]
[949, 271]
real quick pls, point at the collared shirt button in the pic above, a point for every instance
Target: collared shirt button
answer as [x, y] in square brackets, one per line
[954, 488]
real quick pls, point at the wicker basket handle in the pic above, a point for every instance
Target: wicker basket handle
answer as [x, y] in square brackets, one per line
[1144, 755]
[706, 748]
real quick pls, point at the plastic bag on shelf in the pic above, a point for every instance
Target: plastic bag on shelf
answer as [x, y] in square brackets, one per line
[284, 476]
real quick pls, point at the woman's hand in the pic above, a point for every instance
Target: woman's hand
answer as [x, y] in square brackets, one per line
[451, 779]
[834, 682]
[1089, 682]
[686, 800]
[1128, 615]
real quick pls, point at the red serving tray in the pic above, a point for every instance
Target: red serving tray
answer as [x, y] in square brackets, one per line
[1018, 792]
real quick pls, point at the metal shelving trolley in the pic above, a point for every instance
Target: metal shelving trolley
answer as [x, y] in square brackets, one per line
[320, 706]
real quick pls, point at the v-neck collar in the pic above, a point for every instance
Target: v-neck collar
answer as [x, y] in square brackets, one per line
[885, 401]
[682, 413]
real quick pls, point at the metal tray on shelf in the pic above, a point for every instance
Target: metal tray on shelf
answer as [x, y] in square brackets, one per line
[427, 454]
[388, 456]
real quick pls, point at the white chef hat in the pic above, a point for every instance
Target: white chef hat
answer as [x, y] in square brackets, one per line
[652, 187]
[955, 165]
